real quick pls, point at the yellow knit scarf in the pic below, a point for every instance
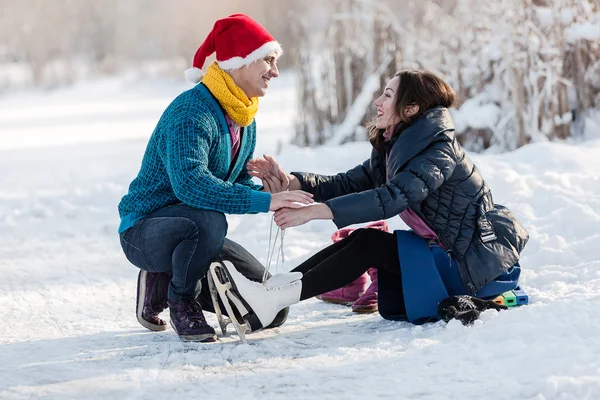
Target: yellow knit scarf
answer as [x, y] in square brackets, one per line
[237, 105]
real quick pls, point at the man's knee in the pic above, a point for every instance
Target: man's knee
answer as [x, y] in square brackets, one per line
[209, 228]
[212, 225]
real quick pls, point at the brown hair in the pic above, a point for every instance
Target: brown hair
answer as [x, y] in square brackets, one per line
[416, 87]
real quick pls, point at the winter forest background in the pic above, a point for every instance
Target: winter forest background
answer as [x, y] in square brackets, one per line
[82, 86]
[525, 70]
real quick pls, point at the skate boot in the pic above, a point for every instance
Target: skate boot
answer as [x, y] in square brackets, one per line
[152, 288]
[188, 321]
[255, 303]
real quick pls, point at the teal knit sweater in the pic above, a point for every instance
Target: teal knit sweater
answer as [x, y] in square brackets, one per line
[188, 160]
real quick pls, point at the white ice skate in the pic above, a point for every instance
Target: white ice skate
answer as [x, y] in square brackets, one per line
[252, 305]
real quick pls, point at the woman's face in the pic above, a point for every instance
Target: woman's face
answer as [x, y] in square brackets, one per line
[386, 108]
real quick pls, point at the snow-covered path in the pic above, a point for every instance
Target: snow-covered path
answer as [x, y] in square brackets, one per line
[67, 293]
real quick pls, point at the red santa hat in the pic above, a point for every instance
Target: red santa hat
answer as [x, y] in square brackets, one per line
[238, 40]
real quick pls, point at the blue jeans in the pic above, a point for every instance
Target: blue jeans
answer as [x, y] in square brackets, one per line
[183, 241]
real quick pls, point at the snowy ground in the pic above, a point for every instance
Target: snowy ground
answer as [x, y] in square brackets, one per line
[67, 292]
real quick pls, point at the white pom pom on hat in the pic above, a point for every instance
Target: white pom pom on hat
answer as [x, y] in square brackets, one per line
[233, 53]
[193, 74]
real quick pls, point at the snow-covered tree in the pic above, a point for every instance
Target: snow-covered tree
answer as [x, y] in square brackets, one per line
[525, 70]
[345, 53]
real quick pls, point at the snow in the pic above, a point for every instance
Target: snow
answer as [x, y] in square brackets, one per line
[67, 293]
[567, 15]
[592, 125]
[544, 15]
[478, 113]
[583, 31]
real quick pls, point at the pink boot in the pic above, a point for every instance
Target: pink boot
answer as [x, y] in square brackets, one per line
[354, 292]
[347, 294]
[367, 303]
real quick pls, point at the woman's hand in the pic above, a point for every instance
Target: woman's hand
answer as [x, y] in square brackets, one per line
[290, 200]
[273, 185]
[287, 217]
[273, 177]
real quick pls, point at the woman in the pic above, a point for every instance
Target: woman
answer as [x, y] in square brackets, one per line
[460, 243]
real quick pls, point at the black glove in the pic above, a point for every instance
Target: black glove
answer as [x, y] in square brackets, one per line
[466, 309]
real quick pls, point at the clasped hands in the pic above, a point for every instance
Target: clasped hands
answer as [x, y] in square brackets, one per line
[292, 206]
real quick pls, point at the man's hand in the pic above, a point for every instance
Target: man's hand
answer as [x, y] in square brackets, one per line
[273, 177]
[287, 217]
[290, 200]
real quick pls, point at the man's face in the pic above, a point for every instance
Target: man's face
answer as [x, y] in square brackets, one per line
[254, 79]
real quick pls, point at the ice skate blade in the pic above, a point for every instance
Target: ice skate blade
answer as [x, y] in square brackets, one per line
[214, 295]
[224, 287]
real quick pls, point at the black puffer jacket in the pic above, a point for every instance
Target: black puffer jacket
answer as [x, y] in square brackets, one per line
[427, 170]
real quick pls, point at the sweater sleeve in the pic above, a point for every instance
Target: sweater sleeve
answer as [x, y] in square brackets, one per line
[246, 180]
[185, 155]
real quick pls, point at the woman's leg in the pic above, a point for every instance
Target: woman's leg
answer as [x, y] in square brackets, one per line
[367, 248]
[345, 261]
[325, 253]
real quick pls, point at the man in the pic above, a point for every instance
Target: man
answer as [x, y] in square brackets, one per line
[193, 172]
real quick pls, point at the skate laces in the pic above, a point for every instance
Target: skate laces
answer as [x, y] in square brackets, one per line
[271, 249]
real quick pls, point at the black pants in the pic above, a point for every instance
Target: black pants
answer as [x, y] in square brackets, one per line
[343, 262]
